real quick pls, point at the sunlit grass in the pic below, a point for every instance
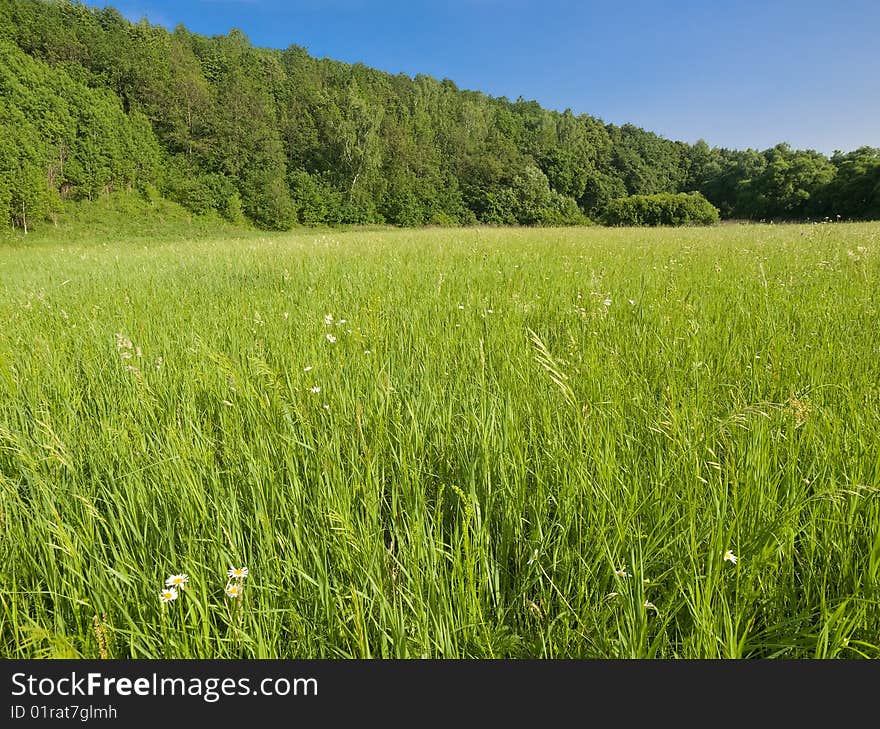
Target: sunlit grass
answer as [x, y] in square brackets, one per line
[446, 443]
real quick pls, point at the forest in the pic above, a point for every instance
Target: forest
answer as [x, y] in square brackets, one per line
[91, 103]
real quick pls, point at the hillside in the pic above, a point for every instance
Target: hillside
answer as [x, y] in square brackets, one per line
[91, 103]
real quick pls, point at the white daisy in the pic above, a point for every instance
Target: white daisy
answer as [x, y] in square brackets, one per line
[177, 581]
[234, 589]
[237, 573]
[331, 339]
[168, 594]
[730, 557]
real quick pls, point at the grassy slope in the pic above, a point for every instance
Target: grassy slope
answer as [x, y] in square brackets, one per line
[470, 488]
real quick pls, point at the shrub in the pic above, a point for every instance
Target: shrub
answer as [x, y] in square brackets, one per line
[661, 209]
[531, 201]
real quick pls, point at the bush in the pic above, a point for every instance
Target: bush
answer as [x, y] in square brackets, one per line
[531, 201]
[443, 219]
[232, 210]
[315, 200]
[266, 200]
[662, 209]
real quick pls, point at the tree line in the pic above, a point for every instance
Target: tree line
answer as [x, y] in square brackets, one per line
[91, 103]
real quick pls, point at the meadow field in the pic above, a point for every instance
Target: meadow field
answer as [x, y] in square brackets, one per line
[584, 442]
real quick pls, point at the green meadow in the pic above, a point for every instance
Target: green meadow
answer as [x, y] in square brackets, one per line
[482, 442]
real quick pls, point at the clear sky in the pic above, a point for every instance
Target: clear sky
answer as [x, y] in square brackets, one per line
[737, 73]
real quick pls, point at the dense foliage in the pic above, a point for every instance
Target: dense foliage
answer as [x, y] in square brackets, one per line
[661, 209]
[90, 103]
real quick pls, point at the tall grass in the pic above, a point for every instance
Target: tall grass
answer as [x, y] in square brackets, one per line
[526, 443]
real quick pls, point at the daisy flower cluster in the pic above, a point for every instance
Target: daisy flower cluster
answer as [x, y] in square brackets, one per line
[329, 321]
[176, 584]
[173, 585]
[235, 585]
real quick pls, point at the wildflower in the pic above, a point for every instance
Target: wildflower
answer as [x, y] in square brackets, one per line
[168, 594]
[461, 306]
[331, 339]
[307, 369]
[177, 581]
[621, 572]
[315, 389]
[606, 302]
[328, 319]
[650, 606]
[233, 589]
[326, 407]
[237, 573]
[730, 557]
[367, 351]
[631, 302]
[285, 315]
[534, 557]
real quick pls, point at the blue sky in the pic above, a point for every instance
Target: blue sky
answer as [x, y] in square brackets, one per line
[737, 73]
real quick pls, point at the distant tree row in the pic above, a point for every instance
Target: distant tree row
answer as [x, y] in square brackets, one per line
[91, 103]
